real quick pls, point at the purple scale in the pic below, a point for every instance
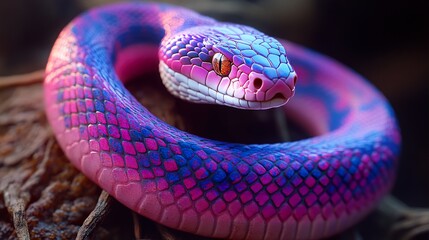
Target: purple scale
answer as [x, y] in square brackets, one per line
[140, 147]
[93, 130]
[335, 199]
[189, 182]
[66, 108]
[174, 49]
[133, 175]
[197, 61]
[246, 197]
[271, 188]
[310, 181]
[131, 162]
[268, 211]
[74, 120]
[262, 198]
[170, 166]
[176, 65]
[218, 206]
[80, 93]
[266, 179]
[106, 160]
[196, 193]
[185, 60]
[193, 43]
[100, 117]
[83, 133]
[303, 190]
[324, 180]
[189, 47]
[201, 205]
[81, 107]
[314, 211]
[162, 184]
[125, 135]
[331, 172]
[119, 175]
[256, 187]
[183, 52]
[295, 165]
[237, 60]
[296, 180]
[94, 146]
[113, 131]
[295, 199]
[151, 144]
[102, 130]
[251, 209]
[201, 154]
[288, 190]
[123, 123]
[211, 195]
[278, 199]
[175, 149]
[117, 160]
[240, 186]
[160, 142]
[201, 173]
[285, 212]
[186, 69]
[299, 212]
[178, 191]
[184, 203]
[229, 196]
[91, 117]
[128, 148]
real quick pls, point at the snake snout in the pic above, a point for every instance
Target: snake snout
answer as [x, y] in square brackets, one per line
[282, 90]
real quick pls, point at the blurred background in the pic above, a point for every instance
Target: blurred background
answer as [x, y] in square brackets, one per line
[385, 41]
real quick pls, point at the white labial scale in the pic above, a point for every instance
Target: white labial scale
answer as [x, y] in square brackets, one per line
[231, 100]
[219, 97]
[203, 89]
[243, 103]
[212, 93]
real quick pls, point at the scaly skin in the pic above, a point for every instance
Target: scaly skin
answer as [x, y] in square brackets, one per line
[306, 189]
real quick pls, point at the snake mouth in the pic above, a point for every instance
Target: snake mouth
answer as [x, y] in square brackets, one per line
[279, 96]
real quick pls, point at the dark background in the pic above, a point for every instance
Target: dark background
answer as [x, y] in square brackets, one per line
[385, 41]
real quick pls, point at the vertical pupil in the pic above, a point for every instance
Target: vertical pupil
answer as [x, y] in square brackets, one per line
[220, 63]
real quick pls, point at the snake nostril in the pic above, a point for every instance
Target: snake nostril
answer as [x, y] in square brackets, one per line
[295, 78]
[257, 83]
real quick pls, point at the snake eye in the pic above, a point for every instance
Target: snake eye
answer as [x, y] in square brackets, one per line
[221, 64]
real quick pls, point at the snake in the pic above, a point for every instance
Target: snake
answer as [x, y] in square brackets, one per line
[308, 188]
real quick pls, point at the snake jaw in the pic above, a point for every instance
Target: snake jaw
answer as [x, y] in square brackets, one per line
[191, 90]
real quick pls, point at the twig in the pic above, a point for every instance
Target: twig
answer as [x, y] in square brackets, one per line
[95, 217]
[16, 207]
[281, 124]
[22, 79]
[136, 224]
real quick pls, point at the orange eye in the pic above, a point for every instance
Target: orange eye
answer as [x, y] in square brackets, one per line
[221, 64]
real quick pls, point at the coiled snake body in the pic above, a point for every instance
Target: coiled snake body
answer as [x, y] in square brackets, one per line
[305, 189]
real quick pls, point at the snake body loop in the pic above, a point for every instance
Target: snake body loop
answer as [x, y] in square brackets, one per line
[307, 189]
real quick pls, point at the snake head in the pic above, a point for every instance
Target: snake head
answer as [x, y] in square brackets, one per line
[226, 64]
